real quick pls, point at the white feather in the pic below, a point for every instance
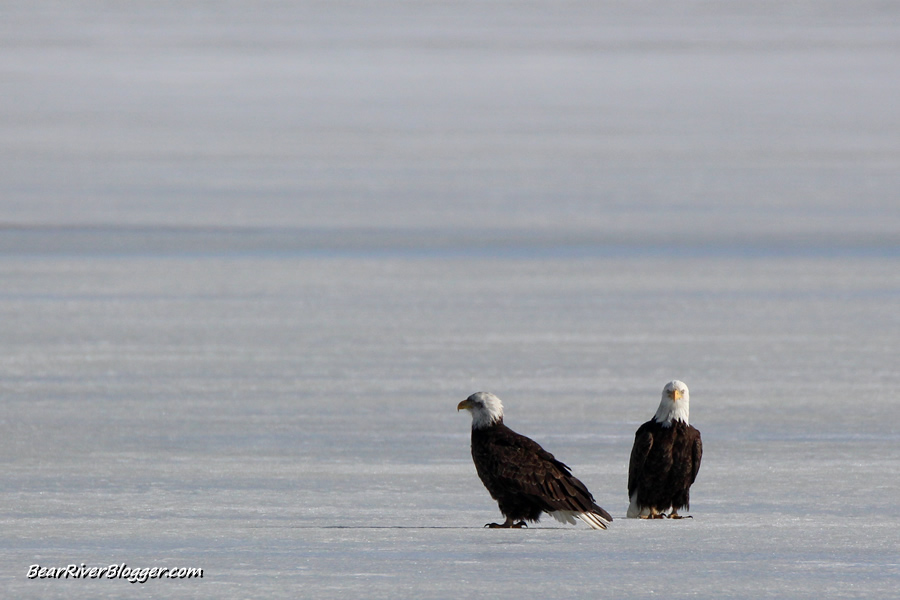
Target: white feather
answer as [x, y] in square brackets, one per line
[671, 409]
[634, 510]
[595, 521]
[569, 516]
[564, 516]
[486, 409]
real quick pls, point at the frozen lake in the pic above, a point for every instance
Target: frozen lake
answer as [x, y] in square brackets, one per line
[252, 258]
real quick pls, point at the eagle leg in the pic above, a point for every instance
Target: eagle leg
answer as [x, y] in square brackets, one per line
[654, 514]
[507, 524]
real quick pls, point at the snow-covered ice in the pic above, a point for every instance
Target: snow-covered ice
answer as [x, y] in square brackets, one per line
[289, 424]
[252, 257]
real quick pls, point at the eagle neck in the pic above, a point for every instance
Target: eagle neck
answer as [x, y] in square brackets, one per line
[481, 425]
[675, 414]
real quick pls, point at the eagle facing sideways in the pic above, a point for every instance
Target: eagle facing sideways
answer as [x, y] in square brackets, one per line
[522, 477]
[665, 458]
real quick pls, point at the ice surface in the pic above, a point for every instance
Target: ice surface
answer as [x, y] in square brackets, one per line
[289, 425]
[251, 258]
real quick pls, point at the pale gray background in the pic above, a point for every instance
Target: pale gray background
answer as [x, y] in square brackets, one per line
[252, 255]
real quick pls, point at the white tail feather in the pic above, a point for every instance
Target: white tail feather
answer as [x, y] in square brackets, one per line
[594, 520]
[568, 516]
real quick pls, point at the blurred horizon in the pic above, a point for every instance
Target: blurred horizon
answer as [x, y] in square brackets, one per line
[609, 120]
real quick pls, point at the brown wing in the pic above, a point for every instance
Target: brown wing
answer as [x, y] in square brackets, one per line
[521, 464]
[696, 453]
[643, 443]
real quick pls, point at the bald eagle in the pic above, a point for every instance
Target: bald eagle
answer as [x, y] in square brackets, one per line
[522, 477]
[665, 458]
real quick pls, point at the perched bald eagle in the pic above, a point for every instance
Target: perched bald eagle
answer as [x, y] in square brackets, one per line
[522, 477]
[665, 458]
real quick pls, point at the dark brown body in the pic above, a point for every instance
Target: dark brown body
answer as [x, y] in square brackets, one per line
[664, 464]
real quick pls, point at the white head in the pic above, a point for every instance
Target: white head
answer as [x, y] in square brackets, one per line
[485, 407]
[675, 404]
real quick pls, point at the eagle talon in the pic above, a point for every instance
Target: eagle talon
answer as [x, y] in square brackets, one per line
[508, 524]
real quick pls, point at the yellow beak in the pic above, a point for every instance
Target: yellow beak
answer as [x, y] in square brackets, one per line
[676, 395]
[464, 404]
